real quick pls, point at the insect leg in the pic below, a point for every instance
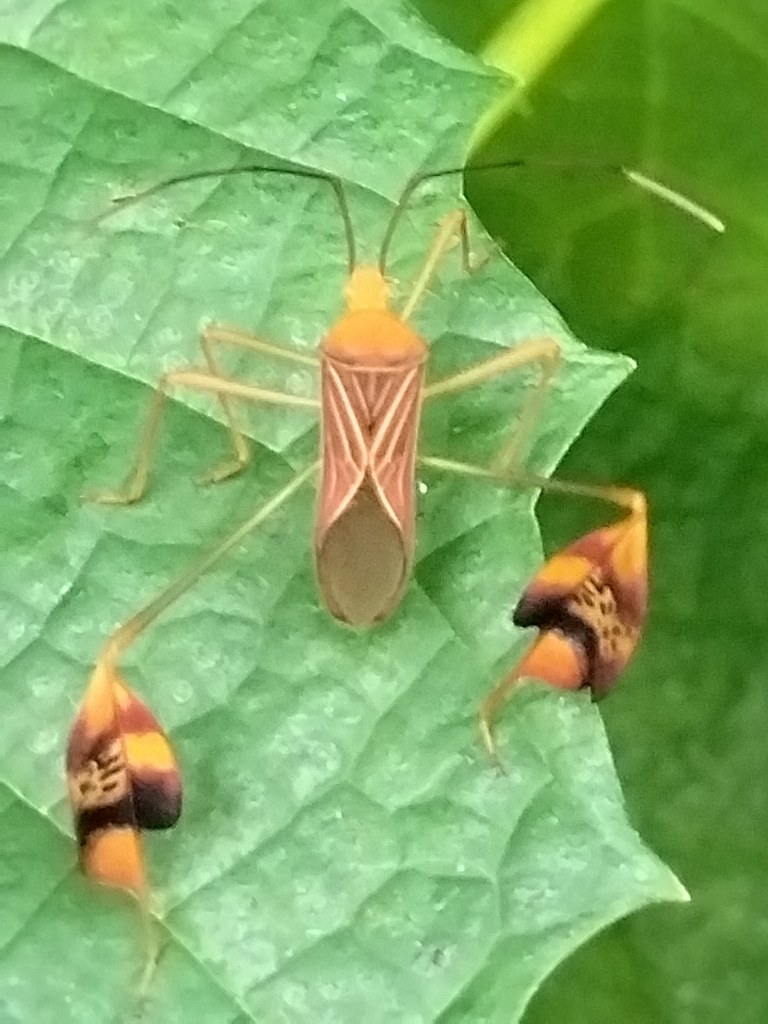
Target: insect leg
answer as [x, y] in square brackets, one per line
[217, 334]
[221, 335]
[582, 641]
[626, 497]
[136, 482]
[126, 634]
[452, 227]
[544, 351]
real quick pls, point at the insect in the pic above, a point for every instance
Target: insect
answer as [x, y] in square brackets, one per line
[372, 390]
[122, 774]
[589, 603]
[121, 771]
[122, 779]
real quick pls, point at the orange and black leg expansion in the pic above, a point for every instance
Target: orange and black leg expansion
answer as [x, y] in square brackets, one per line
[122, 778]
[589, 603]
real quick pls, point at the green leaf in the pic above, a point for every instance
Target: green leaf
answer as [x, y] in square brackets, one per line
[345, 852]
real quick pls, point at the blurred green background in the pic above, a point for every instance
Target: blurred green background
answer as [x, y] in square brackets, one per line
[677, 89]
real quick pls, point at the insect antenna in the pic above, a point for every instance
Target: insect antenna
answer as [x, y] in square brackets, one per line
[651, 185]
[297, 172]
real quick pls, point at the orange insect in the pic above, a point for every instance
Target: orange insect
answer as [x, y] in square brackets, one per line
[589, 602]
[372, 389]
[122, 778]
